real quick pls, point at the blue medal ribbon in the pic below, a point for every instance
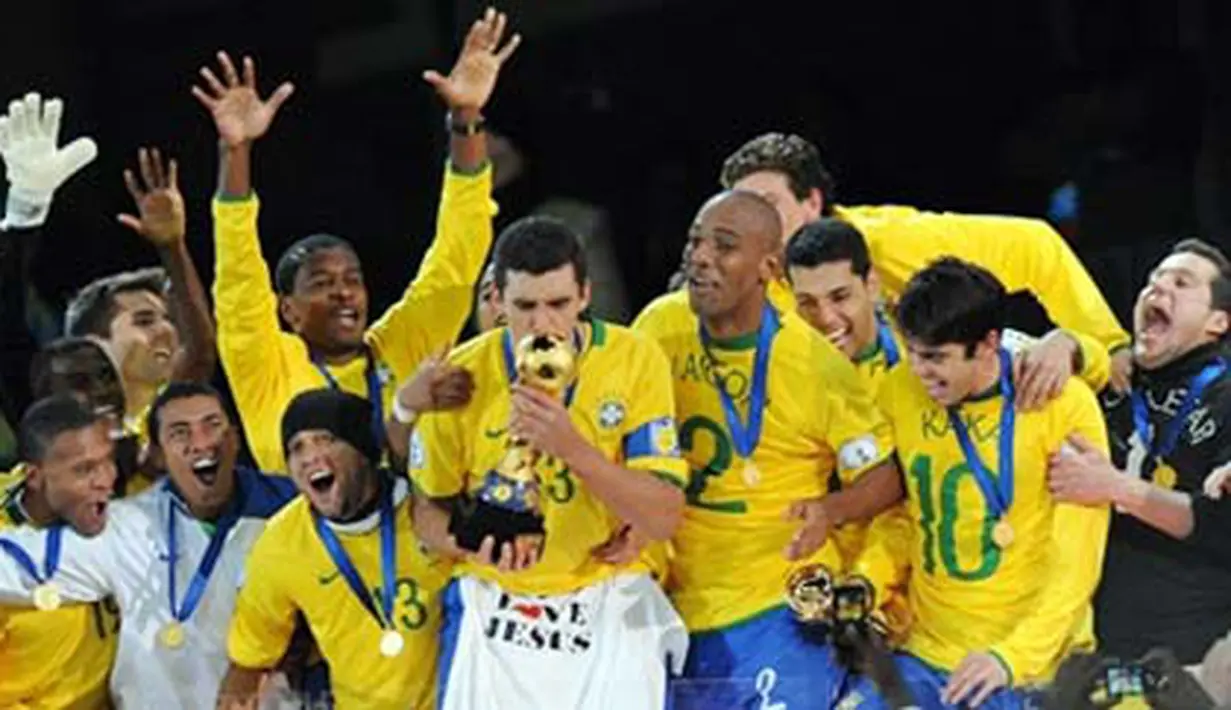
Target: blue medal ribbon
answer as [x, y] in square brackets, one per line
[997, 490]
[375, 394]
[510, 362]
[884, 338]
[745, 438]
[388, 560]
[205, 568]
[51, 557]
[1161, 447]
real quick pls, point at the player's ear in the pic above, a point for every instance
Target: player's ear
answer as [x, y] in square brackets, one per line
[1217, 323]
[586, 293]
[34, 478]
[873, 284]
[770, 268]
[289, 312]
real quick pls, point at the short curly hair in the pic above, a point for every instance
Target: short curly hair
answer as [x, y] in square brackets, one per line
[795, 157]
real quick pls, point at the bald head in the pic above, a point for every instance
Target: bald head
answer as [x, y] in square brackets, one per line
[747, 214]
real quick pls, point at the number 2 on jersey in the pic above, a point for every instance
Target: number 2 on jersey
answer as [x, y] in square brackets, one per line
[942, 534]
[699, 478]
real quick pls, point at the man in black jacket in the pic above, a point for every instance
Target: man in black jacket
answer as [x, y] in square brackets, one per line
[1167, 577]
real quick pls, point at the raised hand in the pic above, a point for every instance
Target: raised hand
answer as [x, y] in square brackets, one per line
[158, 198]
[240, 114]
[34, 165]
[470, 83]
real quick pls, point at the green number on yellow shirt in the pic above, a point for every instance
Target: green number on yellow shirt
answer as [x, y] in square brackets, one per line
[406, 593]
[560, 488]
[943, 535]
[719, 463]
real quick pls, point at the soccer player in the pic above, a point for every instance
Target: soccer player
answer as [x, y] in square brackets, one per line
[1022, 253]
[556, 626]
[1168, 436]
[837, 291]
[344, 556]
[1001, 574]
[317, 287]
[154, 321]
[172, 556]
[769, 409]
[59, 658]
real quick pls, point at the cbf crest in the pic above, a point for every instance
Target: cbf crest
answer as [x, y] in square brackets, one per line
[611, 414]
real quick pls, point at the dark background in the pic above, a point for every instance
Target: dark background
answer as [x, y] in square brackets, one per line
[631, 105]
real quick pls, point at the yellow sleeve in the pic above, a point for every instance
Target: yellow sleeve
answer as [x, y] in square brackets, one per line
[250, 338]
[264, 617]
[885, 558]
[1022, 253]
[1078, 540]
[651, 443]
[437, 455]
[854, 426]
[437, 303]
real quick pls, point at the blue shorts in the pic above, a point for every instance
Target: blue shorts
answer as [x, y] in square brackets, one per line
[756, 664]
[925, 683]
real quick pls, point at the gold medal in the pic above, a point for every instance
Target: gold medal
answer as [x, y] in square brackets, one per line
[47, 597]
[171, 635]
[1002, 534]
[752, 474]
[391, 643]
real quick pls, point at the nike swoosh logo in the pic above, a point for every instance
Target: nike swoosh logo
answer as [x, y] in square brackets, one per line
[327, 578]
[494, 433]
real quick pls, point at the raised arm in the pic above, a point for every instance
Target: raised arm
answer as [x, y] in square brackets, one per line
[435, 306]
[245, 307]
[162, 223]
[35, 167]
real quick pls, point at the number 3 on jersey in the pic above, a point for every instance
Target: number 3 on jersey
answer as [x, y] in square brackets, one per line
[719, 463]
[942, 533]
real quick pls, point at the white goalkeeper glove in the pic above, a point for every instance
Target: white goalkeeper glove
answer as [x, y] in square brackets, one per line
[34, 166]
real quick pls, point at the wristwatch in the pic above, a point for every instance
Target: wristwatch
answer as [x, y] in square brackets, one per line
[465, 130]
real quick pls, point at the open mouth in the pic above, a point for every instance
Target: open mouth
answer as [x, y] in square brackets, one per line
[839, 337]
[1155, 321]
[347, 317]
[206, 471]
[322, 481]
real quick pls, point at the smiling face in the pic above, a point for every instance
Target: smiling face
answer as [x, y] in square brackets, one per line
[328, 306]
[730, 255]
[1174, 312]
[143, 337]
[333, 475]
[198, 446]
[949, 372]
[837, 302]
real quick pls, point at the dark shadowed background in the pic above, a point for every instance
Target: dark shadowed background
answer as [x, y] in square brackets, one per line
[628, 107]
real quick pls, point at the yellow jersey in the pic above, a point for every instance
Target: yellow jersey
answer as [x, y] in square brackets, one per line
[266, 367]
[53, 659]
[856, 541]
[728, 560]
[1022, 253]
[290, 573]
[1029, 603]
[622, 404]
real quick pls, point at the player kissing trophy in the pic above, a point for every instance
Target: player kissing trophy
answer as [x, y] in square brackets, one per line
[508, 503]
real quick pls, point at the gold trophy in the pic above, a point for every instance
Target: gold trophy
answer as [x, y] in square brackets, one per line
[809, 593]
[508, 504]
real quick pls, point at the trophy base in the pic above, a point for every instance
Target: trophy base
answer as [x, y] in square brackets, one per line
[470, 525]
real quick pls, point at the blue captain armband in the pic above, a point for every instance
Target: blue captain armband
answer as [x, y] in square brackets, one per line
[655, 439]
